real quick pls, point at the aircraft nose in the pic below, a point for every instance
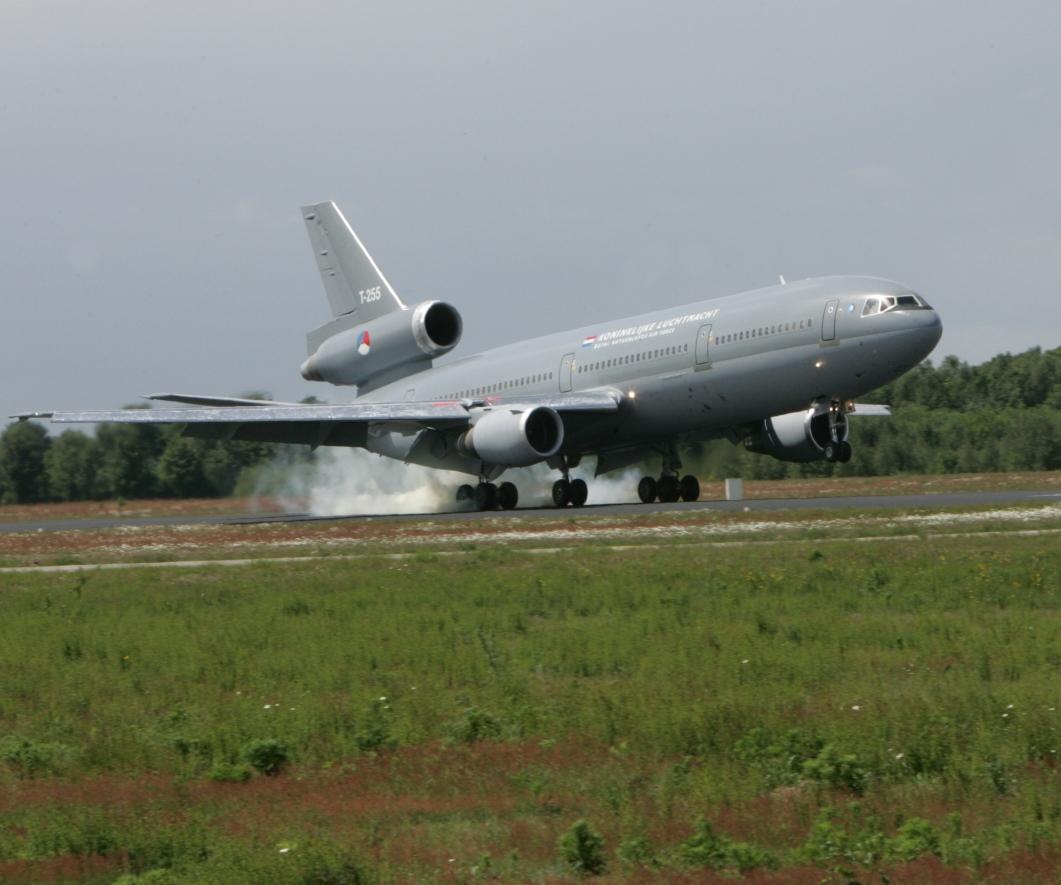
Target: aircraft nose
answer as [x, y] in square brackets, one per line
[930, 329]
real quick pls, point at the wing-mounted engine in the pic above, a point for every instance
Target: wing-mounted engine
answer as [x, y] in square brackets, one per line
[800, 436]
[510, 438]
[386, 348]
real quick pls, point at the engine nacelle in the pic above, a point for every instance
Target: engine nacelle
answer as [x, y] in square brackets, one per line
[514, 439]
[386, 348]
[798, 436]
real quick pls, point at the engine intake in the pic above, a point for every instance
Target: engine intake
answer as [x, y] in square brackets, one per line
[389, 347]
[514, 439]
[798, 436]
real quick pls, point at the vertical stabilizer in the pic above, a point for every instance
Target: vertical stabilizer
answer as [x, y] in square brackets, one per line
[356, 287]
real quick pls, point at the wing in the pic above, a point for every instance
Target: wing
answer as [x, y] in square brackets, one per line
[344, 424]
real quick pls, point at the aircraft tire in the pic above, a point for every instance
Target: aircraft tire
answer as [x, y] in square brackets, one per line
[669, 489]
[646, 489]
[579, 492]
[690, 488]
[830, 453]
[486, 496]
[507, 496]
[845, 452]
[561, 493]
[465, 493]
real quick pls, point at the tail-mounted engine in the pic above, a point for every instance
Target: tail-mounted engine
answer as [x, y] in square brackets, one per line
[502, 437]
[386, 348]
[800, 436]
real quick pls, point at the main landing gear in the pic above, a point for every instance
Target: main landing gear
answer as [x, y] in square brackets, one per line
[567, 491]
[837, 452]
[669, 488]
[570, 491]
[487, 496]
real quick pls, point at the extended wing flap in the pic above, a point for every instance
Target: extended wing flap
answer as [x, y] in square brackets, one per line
[194, 399]
[872, 411]
[582, 401]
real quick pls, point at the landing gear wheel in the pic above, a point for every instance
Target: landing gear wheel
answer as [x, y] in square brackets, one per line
[668, 489]
[831, 452]
[507, 496]
[486, 496]
[646, 489]
[690, 488]
[845, 452]
[578, 492]
[561, 493]
[465, 494]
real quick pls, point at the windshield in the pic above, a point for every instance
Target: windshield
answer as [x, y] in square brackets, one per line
[883, 303]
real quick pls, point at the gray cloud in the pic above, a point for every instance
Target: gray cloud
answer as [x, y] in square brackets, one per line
[540, 165]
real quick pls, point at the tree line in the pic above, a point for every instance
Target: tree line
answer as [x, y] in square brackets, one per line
[1004, 414]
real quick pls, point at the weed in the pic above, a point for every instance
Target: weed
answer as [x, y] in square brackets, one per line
[268, 757]
[706, 848]
[582, 849]
[33, 758]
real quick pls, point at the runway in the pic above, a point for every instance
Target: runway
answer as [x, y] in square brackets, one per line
[852, 502]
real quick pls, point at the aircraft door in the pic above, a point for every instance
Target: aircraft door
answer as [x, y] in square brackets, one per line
[566, 365]
[703, 342]
[829, 320]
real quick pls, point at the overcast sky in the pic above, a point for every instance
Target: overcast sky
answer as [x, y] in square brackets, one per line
[540, 165]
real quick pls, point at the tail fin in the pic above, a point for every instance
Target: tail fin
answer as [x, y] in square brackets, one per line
[356, 287]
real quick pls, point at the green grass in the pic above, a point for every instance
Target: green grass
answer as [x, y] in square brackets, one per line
[774, 706]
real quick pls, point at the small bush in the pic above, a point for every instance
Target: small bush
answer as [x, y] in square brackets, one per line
[914, 838]
[636, 851]
[582, 849]
[32, 758]
[475, 725]
[843, 772]
[706, 848]
[229, 773]
[374, 733]
[268, 757]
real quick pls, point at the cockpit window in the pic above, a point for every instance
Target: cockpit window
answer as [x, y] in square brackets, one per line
[882, 303]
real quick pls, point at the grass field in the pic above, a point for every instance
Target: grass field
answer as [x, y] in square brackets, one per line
[798, 711]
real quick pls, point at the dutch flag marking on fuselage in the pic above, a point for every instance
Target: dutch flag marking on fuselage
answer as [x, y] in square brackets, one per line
[588, 340]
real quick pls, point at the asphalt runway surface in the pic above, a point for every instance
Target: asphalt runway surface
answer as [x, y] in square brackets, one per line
[853, 502]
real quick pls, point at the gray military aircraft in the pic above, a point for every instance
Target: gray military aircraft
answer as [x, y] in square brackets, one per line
[775, 369]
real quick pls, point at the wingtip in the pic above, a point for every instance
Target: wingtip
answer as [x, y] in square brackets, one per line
[29, 416]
